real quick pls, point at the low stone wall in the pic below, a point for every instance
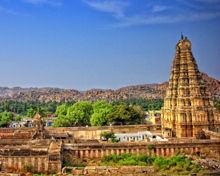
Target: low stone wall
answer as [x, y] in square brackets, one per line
[94, 132]
[159, 148]
[111, 170]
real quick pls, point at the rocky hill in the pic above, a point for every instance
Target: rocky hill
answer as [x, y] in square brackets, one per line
[212, 84]
[8, 92]
[148, 91]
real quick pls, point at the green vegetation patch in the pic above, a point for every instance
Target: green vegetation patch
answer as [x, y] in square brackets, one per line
[175, 164]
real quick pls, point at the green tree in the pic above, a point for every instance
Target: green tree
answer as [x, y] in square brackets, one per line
[139, 110]
[101, 110]
[5, 118]
[31, 112]
[6, 107]
[62, 109]
[123, 114]
[79, 113]
[107, 135]
[61, 121]
[18, 118]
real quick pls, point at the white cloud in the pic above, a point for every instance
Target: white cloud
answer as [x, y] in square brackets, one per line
[40, 2]
[184, 11]
[110, 6]
[158, 8]
[164, 19]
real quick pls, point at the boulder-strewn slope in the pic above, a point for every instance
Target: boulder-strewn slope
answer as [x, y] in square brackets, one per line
[8, 92]
[212, 84]
[148, 91]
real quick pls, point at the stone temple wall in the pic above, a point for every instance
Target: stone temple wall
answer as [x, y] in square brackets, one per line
[94, 132]
[160, 148]
[112, 170]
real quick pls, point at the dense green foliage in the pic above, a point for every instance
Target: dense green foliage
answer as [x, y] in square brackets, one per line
[5, 118]
[175, 164]
[71, 113]
[146, 104]
[100, 111]
[124, 115]
[22, 107]
[77, 114]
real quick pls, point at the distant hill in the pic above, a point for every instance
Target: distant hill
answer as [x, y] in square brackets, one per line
[212, 84]
[148, 91]
[8, 92]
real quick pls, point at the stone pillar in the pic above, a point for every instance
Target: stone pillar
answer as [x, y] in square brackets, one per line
[127, 150]
[39, 164]
[112, 151]
[33, 164]
[91, 154]
[162, 151]
[157, 152]
[102, 153]
[117, 151]
[46, 163]
[172, 152]
[19, 163]
[87, 154]
[137, 151]
[81, 154]
[148, 152]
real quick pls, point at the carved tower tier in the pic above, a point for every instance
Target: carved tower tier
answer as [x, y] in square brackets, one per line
[187, 105]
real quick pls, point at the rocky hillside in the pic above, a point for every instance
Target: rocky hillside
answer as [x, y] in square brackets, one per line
[212, 84]
[8, 92]
[148, 91]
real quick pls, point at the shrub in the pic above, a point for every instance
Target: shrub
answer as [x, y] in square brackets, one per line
[175, 164]
[150, 146]
[27, 167]
[114, 140]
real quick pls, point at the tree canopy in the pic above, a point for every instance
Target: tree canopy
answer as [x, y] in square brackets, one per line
[101, 110]
[5, 118]
[61, 110]
[123, 114]
[79, 113]
[61, 121]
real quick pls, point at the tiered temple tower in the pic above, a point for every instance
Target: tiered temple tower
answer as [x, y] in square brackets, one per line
[39, 125]
[187, 105]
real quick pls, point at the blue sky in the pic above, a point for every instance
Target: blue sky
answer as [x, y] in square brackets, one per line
[85, 44]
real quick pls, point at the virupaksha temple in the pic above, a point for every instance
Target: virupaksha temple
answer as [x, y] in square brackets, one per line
[188, 106]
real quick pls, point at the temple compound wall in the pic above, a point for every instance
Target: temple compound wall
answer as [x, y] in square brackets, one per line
[168, 148]
[94, 132]
[111, 170]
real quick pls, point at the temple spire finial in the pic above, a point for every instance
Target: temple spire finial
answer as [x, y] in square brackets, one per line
[181, 35]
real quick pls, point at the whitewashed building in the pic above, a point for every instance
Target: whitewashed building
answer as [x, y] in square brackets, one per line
[141, 135]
